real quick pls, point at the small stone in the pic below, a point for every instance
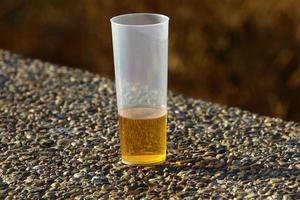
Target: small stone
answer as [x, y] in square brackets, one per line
[54, 185]
[77, 175]
[29, 135]
[275, 180]
[50, 195]
[46, 142]
[153, 180]
[219, 156]
[29, 179]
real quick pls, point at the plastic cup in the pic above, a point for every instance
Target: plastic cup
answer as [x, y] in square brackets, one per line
[140, 46]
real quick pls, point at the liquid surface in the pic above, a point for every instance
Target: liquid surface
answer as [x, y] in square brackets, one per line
[143, 135]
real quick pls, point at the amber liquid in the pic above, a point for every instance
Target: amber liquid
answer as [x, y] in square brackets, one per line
[143, 135]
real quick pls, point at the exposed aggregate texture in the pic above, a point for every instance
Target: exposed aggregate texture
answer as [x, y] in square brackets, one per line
[59, 140]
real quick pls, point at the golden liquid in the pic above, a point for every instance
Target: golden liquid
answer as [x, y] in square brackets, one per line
[143, 135]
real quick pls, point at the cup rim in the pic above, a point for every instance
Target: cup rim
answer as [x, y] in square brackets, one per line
[164, 19]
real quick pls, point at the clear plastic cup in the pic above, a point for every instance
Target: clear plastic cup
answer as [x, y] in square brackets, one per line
[140, 45]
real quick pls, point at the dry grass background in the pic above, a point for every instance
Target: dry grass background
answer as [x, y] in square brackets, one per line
[239, 53]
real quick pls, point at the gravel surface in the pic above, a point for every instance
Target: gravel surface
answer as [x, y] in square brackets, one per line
[59, 139]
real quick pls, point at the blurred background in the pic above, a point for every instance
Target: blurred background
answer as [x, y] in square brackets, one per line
[238, 53]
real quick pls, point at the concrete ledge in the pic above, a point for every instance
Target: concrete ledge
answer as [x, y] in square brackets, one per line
[59, 139]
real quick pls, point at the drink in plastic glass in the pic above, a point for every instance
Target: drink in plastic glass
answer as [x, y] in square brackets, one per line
[140, 45]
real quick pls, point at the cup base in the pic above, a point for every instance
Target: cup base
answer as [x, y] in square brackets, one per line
[144, 159]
